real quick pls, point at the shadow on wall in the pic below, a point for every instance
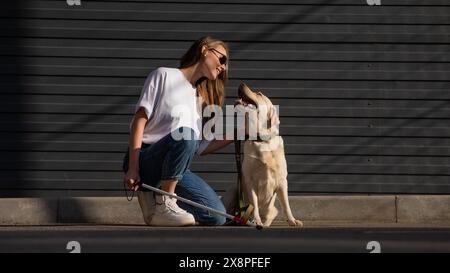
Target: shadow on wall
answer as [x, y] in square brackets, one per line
[16, 180]
[11, 97]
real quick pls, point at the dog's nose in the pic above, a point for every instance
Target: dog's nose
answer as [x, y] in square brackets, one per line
[239, 91]
[241, 88]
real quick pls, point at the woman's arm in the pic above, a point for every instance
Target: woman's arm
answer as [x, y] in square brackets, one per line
[216, 145]
[135, 142]
[219, 144]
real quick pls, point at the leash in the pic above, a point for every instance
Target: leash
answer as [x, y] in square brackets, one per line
[242, 210]
[237, 155]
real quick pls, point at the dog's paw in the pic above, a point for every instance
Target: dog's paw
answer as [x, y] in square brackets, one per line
[267, 223]
[258, 222]
[295, 222]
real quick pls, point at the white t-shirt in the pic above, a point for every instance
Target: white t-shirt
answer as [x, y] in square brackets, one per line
[170, 102]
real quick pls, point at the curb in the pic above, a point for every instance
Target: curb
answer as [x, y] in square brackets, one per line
[370, 210]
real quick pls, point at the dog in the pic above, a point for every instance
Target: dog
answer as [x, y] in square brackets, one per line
[264, 168]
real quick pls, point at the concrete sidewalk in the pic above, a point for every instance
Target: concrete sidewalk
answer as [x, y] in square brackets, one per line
[335, 210]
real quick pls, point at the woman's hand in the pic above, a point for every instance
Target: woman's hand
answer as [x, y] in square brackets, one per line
[132, 179]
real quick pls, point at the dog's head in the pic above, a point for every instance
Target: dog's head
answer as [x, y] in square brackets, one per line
[262, 114]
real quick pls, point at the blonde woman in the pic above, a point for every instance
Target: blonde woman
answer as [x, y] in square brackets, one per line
[158, 159]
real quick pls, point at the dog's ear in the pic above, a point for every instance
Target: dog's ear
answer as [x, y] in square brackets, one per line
[274, 121]
[269, 121]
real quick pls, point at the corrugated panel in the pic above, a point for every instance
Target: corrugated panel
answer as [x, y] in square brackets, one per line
[256, 70]
[317, 164]
[363, 90]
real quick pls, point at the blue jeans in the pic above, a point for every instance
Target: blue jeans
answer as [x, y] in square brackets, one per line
[170, 159]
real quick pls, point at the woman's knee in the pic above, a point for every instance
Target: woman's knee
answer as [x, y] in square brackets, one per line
[189, 146]
[187, 143]
[212, 220]
[194, 188]
[219, 220]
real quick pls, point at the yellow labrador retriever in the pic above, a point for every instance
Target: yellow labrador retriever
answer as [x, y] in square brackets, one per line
[264, 167]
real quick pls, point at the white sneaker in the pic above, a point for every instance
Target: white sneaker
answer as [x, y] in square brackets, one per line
[148, 204]
[168, 213]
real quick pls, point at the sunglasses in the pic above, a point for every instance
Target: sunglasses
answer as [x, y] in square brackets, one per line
[223, 59]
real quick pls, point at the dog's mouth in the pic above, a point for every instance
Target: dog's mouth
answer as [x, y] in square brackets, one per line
[243, 98]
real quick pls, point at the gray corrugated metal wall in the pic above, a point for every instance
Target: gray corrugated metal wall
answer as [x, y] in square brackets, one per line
[363, 90]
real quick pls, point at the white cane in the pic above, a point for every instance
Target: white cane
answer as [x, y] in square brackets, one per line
[236, 219]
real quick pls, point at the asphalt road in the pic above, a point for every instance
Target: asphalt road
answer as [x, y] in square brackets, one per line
[142, 239]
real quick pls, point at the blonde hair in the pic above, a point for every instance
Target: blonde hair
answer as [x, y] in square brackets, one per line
[211, 91]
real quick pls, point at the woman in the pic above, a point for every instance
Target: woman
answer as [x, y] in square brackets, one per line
[155, 157]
